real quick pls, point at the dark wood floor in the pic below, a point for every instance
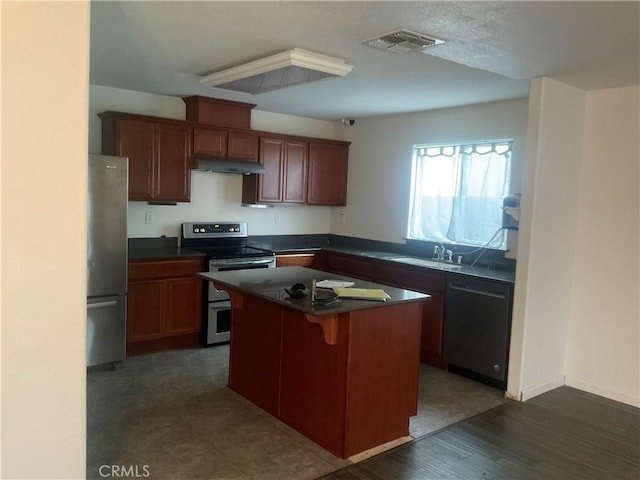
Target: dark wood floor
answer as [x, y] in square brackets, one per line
[563, 434]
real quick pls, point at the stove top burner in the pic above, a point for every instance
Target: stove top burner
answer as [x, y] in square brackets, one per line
[232, 252]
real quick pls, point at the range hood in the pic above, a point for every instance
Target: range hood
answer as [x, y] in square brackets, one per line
[226, 165]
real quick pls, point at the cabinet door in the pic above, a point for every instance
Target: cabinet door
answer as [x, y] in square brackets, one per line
[431, 342]
[328, 163]
[270, 183]
[134, 139]
[183, 305]
[295, 172]
[425, 281]
[243, 146]
[209, 142]
[144, 310]
[173, 169]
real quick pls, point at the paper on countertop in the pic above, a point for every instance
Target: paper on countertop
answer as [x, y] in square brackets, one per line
[363, 293]
[333, 283]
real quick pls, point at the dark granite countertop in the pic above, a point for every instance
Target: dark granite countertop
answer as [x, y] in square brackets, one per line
[167, 247]
[280, 244]
[375, 250]
[270, 284]
[156, 253]
[156, 248]
[449, 268]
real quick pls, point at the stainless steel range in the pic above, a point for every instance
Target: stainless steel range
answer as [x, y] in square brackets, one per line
[225, 245]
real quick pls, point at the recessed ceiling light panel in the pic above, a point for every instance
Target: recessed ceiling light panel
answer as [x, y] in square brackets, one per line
[402, 41]
[293, 67]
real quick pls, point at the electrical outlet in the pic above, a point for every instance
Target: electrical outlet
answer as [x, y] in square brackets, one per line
[276, 217]
[343, 219]
[148, 218]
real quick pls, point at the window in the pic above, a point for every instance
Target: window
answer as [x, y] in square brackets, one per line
[457, 192]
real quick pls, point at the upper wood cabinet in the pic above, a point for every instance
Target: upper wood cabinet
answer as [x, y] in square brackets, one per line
[225, 143]
[295, 172]
[158, 151]
[242, 146]
[327, 180]
[208, 141]
[298, 170]
[285, 177]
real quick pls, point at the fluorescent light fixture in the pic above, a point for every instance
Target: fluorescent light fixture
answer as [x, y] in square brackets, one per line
[286, 69]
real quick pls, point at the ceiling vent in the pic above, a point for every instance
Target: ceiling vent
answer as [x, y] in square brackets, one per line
[286, 69]
[402, 41]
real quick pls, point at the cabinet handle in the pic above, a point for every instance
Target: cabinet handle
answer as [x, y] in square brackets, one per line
[110, 303]
[464, 288]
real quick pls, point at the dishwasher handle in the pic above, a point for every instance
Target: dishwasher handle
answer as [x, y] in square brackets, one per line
[464, 288]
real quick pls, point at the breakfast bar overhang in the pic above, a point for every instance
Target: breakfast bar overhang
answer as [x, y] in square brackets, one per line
[344, 375]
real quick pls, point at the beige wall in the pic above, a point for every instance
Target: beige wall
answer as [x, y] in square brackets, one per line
[380, 160]
[542, 293]
[576, 317]
[44, 153]
[214, 196]
[603, 354]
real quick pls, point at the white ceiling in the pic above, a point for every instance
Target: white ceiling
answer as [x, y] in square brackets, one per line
[492, 49]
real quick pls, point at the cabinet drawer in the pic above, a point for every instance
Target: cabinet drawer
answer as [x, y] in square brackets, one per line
[350, 265]
[144, 270]
[295, 260]
[412, 278]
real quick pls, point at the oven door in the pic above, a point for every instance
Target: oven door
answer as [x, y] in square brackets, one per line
[218, 328]
[226, 264]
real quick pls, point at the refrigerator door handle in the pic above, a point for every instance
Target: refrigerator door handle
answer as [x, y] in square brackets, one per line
[110, 303]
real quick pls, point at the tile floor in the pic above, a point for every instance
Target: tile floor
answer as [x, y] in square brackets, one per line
[170, 415]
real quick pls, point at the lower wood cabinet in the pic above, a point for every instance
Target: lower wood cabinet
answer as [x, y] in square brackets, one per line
[296, 260]
[350, 265]
[164, 304]
[403, 276]
[424, 281]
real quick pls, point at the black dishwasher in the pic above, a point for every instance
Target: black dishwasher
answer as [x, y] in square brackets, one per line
[477, 329]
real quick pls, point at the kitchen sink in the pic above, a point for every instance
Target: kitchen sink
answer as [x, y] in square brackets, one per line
[422, 262]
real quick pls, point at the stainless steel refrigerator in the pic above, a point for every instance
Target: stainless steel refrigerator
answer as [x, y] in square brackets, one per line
[107, 259]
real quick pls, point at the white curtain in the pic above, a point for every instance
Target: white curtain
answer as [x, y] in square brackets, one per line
[457, 193]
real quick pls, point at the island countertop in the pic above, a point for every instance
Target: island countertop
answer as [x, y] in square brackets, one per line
[270, 284]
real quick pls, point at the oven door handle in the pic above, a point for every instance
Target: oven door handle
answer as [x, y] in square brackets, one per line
[253, 262]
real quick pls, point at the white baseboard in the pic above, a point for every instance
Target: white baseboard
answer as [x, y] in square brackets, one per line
[601, 391]
[530, 392]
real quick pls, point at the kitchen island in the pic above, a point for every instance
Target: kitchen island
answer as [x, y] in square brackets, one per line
[344, 375]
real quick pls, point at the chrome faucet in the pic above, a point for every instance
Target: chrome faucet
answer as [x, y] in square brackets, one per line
[448, 256]
[442, 254]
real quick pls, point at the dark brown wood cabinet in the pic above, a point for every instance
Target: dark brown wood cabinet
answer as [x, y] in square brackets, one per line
[349, 265]
[158, 151]
[294, 179]
[285, 176]
[220, 142]
[295, 260]
[327, 179]
[172, 163]
[164, 304]
[402, 276]
[424, 281]
[299, 170]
